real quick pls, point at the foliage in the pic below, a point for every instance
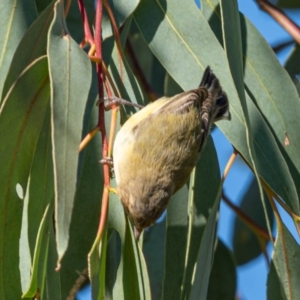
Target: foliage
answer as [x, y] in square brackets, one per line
[50, 195]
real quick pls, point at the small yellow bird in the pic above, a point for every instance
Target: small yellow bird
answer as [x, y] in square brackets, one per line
[157, 148]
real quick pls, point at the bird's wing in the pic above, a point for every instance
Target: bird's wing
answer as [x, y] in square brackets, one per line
[182, 103]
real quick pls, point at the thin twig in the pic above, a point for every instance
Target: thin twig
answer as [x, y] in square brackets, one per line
[139, 72]
[246, 219]
[80, 281]
[229, 164]
[86, 26]
[88, 138]
[278, 15]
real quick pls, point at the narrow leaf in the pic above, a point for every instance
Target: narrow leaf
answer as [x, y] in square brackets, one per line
[32, 45]
[287, 261]
[70, 76]
[15, 19]
[176, 243]
[87, 206]
[121, 11]
[21, 118]
[268, 148]
[39, 264]
[246, 245]
[40, 209]
[205, 255]
[132, 280]
[203, 190]
[223, 277]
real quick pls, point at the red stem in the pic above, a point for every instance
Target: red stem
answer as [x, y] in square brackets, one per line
[87, 31]
[101, 120]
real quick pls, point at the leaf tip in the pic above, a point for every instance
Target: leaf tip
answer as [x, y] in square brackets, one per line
[286, 141]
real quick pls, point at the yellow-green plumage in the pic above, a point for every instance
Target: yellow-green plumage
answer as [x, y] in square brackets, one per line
[157, 148]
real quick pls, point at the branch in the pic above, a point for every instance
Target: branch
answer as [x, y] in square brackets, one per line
[281, 18]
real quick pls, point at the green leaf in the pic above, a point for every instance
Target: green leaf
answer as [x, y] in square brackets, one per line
[39, 265]
[42, 4]
[176, 243]
[270, 95]
[53, 288]
[21, 118]
[274, 287]
[232, 39]
[24, 250]
[32, 45]
[132, 280]
[98, 266]
[223, 277]
[287, 260]
[205, 255]
[15, 19]
[292, 65]
[171, 87]
[39, 210]
[289, 3]
[87, 204]
[124, 79]
[187, 218]
[266, 148]
[70, 76]
[121, 11]
[41, 188]
[246, 246]
[154, 252]
[203, 192]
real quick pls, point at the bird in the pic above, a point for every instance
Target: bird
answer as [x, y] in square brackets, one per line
[157, 148]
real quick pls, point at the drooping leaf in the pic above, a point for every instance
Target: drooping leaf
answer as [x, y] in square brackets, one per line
[245, 243]
[87, 203]
[39, 261]
[40, 210]
[292, 65]
[32, 45]
[223, 277]
[274, 287]
[121, 11]
[97, 266]
[203, 192]
[70, 77]
[53, 289]
[232, 39]
[176, 244]
[15, 19]
[205, 256]
[154, 252]
[286, 260]
[21, 118]
[132, 280]
[267, 145]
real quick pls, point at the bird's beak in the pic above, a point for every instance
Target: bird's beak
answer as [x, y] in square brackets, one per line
[137, 233]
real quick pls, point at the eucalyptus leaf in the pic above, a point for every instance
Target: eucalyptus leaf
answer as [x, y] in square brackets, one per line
[21, 117]
[223, 277]
[286, 261]
[70, 77]
[15, 20]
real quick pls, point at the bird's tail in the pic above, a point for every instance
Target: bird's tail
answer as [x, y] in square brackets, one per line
[217, 102]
